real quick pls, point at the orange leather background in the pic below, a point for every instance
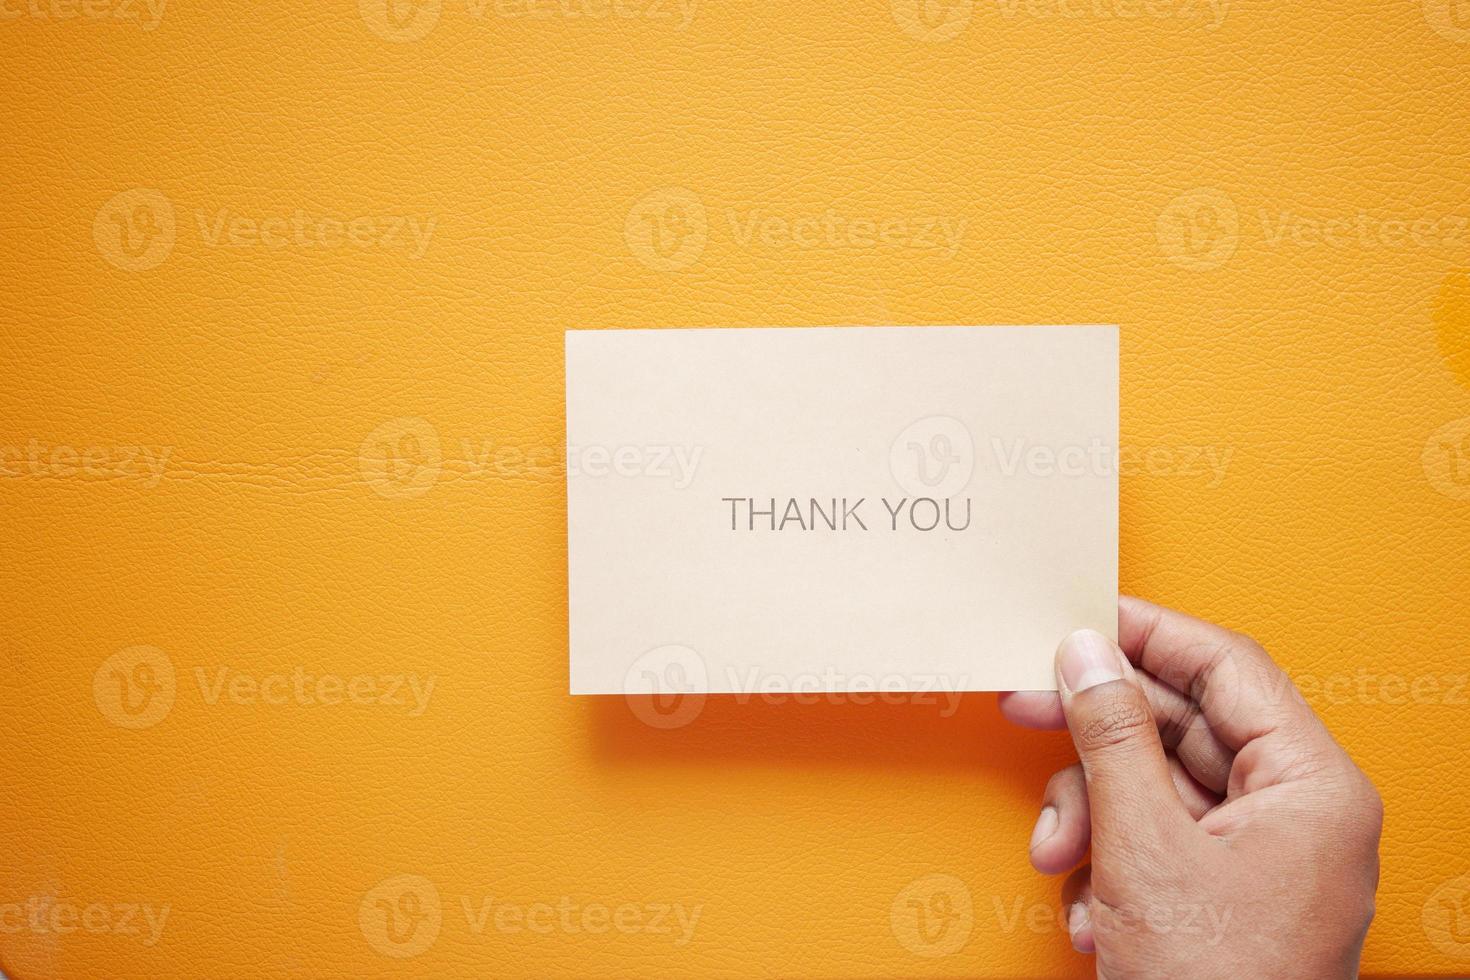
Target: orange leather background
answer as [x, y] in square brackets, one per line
[354, 431]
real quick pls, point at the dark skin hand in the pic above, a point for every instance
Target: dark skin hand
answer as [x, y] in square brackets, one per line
[1231, 836]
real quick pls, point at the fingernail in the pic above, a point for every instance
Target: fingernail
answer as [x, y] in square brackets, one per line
[1046, 825]
[1087, 659]
[1077, 919]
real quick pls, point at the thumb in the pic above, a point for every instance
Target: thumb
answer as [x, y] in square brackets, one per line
[1131, 795]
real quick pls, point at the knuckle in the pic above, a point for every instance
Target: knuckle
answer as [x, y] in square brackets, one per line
[1355, 807]
[1248, 649]
[1115, 722]
[1242, 640]
[1175, 725]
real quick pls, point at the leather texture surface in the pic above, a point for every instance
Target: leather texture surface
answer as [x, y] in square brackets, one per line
[282, 313]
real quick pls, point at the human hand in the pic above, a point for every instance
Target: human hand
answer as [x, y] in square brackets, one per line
[1231, 836]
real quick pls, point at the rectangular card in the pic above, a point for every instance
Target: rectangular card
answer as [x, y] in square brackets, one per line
[806, 510]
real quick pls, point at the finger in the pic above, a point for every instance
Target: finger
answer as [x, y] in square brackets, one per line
[1240, 691]
[1064, 828]
[1133, 801]
[1033, 709]
[1197, 798]
[1184, 731]
[1077, 904]
[1181, 726]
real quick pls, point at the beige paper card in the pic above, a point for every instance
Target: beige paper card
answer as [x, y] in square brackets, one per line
[858, 509]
